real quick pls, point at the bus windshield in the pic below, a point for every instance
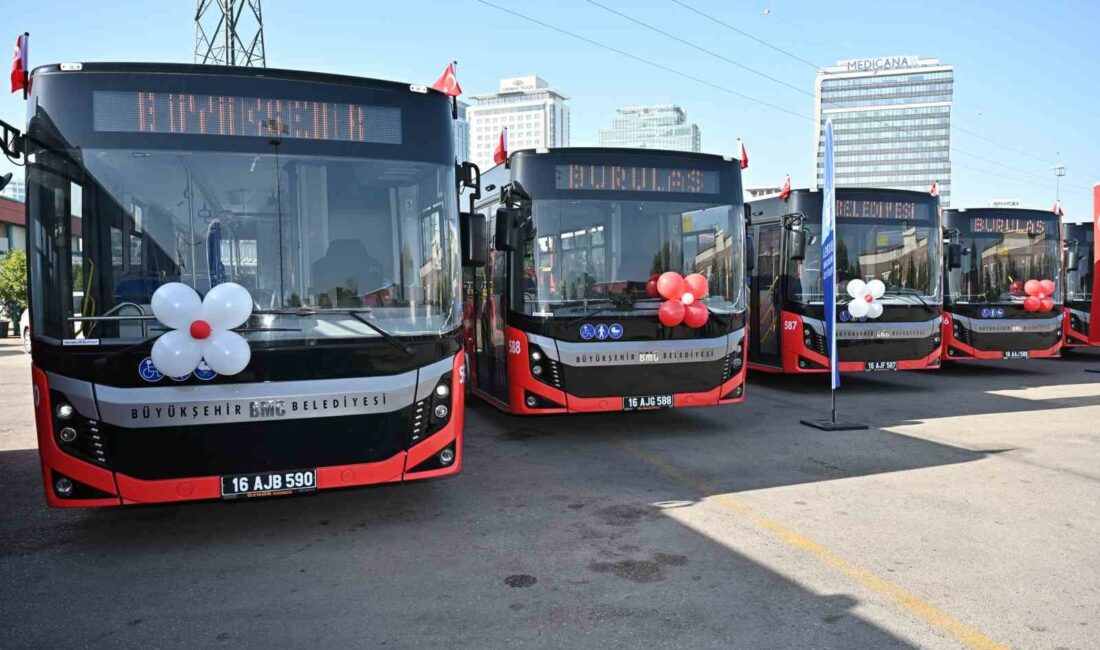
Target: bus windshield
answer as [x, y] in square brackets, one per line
[904, 255]
[997, 265]
[310, 237]
[584, 252]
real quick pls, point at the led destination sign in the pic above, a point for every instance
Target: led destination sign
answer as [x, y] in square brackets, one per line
[623, 178]
[899, 210]
[1006, 225]
[258, 117]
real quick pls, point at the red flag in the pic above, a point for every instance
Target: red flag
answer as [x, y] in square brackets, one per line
[744, 155]
[500, 154]
[786, 191]
[1094, 318]
[447, 82]
[1057, 209]
[935, 189]
[19, 64]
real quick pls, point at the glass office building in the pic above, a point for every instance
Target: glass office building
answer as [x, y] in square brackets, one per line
[662, 126]
[891, 122]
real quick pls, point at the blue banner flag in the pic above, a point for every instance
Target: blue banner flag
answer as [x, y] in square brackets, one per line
[828, 257]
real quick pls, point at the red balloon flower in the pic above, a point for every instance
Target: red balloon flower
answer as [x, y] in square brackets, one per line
[1038, 295]
[682, 297]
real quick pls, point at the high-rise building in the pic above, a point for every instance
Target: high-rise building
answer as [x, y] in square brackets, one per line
[661, 126]
[535, 114]
[891, 122]
[462, 133]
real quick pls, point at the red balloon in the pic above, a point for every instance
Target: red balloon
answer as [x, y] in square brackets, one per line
[1016, 288]
[1046, 304]
[671, 285]
[651, 285]
[696, 315]
[1031, 303]
[1048, 287]
[1032, 287]
[697, 284]
[671, 313]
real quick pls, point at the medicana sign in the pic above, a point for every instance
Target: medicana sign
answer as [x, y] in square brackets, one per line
[880, 63]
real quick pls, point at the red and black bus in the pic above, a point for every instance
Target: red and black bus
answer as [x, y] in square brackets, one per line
[565, 316]
[1003, 284]
[888, 270]
[331, 202]
[1078, 239]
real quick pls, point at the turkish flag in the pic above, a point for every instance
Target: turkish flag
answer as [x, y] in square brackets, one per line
[447, 83]
[744, 155]
[786, 191]
[500, 154]
[935, 189]
[19, 64]
[1057, 209]
[1094, 318]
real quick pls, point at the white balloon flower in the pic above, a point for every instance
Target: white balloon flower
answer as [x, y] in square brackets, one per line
[865, 297]
[201, 329]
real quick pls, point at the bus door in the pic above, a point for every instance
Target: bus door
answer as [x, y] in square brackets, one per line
[764, 346]
[491, 353]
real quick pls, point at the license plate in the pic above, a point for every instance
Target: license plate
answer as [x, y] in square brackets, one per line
[880, 366]
[269, 484]
[647, 402]
[1017, 354]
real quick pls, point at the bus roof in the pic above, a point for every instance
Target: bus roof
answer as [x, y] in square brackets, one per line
[226, 71]
[618, 151]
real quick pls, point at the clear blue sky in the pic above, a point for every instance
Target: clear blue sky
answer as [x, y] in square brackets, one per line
[1025, 72]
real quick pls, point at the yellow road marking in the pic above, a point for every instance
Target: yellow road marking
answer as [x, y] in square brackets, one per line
[937, 618]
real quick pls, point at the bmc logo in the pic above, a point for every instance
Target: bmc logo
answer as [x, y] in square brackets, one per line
[267, 409]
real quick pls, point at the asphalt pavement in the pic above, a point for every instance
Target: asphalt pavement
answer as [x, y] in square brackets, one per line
[968, 515]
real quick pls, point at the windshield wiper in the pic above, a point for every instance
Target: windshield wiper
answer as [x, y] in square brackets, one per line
[598, 311]
[904, 291]
[357, 314]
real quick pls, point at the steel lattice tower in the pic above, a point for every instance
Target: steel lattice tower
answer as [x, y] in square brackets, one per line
[229, 32]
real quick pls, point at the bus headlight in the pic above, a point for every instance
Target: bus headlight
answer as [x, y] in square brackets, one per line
[442, 390]
[68, 434]
[65, 411]
[536, 356]
[441, 411]
[446, 456]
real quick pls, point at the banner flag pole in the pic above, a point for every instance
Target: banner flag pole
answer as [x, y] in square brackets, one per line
[828, 281]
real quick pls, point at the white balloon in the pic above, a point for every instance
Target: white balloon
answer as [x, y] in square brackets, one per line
[176, 354]
[858, 308]
[227, 353]
[175, 304]
[687, 298]
[877, 288]
[857, 288]
[874, 310]
[226, 306]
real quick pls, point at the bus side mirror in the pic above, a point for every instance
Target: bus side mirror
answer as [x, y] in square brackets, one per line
[1073, 260]
[954, 256]
[503, 228]
[750, 254]
[472, 232]
[796, 244]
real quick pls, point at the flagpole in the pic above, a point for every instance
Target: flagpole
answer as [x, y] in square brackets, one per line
[454, 98]
[828, 280]
[26, 63]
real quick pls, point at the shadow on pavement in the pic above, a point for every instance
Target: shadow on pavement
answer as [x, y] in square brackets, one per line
[519, 551]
